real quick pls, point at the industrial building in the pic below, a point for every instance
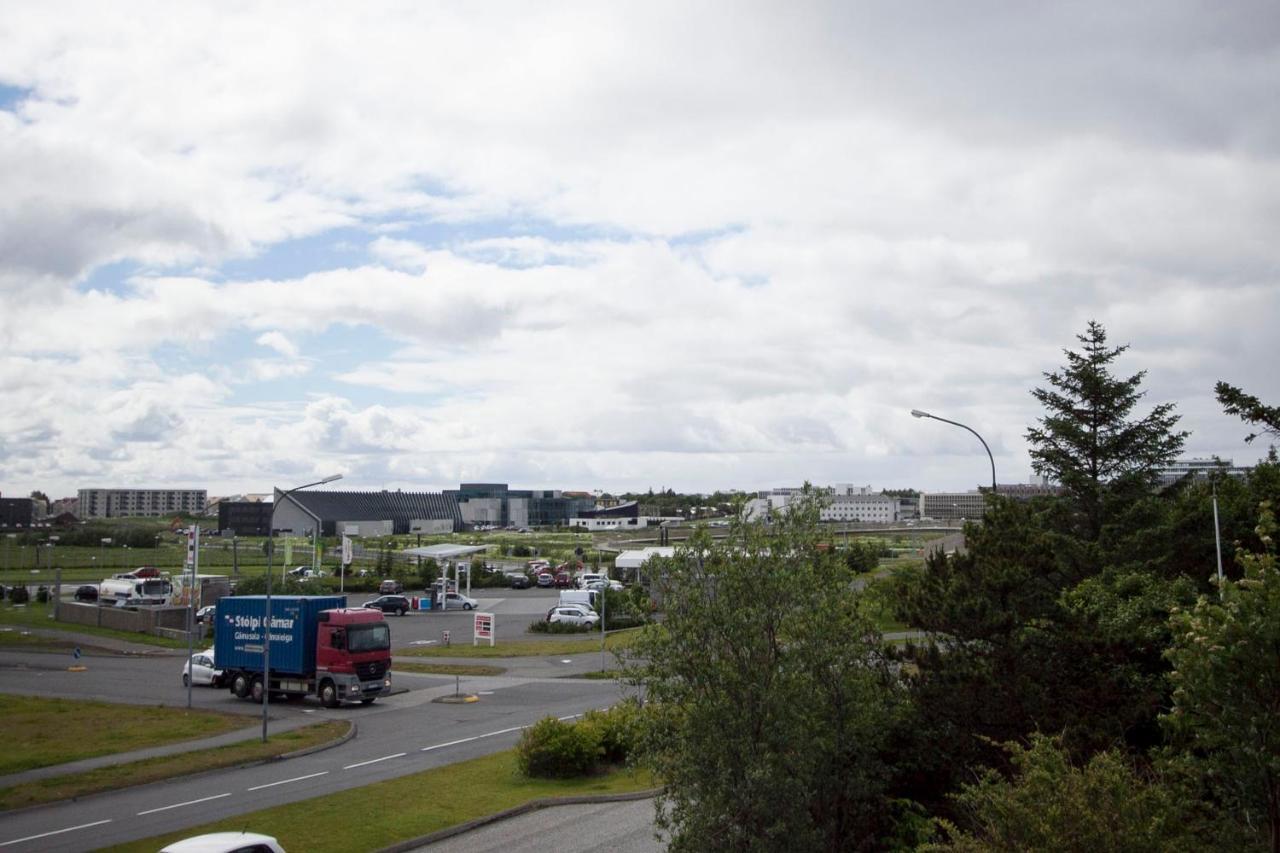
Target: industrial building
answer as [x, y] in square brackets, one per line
[365, 513]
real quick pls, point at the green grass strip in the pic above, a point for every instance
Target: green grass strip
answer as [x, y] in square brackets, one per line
[38, 730]
[164, 767]
[404, 808]
[526, 648]
[450, 668]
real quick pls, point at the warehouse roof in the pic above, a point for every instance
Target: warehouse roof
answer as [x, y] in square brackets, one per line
[396, 506]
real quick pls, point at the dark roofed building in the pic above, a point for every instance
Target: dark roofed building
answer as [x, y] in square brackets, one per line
[17, 512]
[366, 513]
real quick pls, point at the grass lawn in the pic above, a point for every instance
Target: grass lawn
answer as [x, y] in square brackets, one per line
[16, 638]
[449, 668]
[167, 767]
[36, 615]
[400, 809]
[574, 645]
[36, 729]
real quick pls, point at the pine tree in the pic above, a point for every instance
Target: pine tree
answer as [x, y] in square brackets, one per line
[1087, 441]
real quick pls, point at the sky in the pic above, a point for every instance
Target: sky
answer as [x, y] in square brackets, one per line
[618, 246]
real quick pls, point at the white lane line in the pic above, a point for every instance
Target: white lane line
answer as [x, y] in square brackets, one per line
[287, 781]
[469, 739]
[55, 832]
[187, 803]
[375, 760]
[570, 717]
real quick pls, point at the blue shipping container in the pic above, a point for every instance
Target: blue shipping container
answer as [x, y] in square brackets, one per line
[239, 636]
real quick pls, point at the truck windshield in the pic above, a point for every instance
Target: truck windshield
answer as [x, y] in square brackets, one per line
[368, 638]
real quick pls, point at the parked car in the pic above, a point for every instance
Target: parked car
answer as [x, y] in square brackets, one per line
[142, 572]
[457, 599]
[88, 592]
[574, 614]
[604, 583]
[205, 614]
[520, 581]
[226, 842]
[546, 580]
[201, 670]
[563, 580]
[390, 604]
[587, 578]
[390, 586]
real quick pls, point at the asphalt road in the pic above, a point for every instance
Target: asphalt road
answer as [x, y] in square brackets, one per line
[625, 827]
[401, 734]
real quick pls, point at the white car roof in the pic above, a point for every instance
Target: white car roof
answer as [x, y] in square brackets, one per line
[221, 842]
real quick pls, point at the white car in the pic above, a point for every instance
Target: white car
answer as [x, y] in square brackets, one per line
[602, 584]
[457, 599]
[573, 614]
[201, 670]
[226, 842]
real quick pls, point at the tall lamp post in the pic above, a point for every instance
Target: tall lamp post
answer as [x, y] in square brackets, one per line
[266, 629]
[916, 413]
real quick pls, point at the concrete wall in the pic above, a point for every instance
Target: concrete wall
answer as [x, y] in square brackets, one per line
[141, 621]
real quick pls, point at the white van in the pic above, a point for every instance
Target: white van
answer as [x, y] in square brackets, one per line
[586, 578]
[585, 597]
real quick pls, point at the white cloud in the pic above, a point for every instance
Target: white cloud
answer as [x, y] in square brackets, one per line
[709, 246]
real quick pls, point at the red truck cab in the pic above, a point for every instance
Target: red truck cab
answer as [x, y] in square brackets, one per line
[353, 656]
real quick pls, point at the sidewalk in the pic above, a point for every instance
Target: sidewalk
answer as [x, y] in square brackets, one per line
[224, 739]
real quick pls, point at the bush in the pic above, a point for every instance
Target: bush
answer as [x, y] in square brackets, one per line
[19, 595]
[542, 626]
[617, 729]
[554, 749]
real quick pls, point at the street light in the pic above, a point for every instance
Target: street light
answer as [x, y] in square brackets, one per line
[916, 413]
[266, 628]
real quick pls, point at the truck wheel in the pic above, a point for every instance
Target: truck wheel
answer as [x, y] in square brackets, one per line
[256, 690]
[328, 695]
[240, 685]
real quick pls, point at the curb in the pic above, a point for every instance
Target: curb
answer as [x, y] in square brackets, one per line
[311, 750]
[532, 805]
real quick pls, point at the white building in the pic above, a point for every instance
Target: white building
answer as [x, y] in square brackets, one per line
[117, 503]
[953, 506]
[1199, 469]
[841, 503]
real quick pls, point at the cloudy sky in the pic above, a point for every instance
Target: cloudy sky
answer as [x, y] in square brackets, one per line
[617, 245]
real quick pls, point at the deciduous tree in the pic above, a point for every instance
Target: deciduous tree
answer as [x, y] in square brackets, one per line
[781, 704]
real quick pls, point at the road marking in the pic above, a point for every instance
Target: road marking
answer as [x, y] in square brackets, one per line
[570, 717]
[375, 760]
[287, 781]
[55, 832]
[187, 803]
[469, 739]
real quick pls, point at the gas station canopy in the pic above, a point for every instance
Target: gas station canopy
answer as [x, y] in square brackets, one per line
[444, 552]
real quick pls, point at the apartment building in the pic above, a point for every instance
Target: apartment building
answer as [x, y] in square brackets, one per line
[117, 503]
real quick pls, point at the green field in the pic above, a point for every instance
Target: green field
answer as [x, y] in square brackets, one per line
[37, 729]
[405, 808]
[34, 615]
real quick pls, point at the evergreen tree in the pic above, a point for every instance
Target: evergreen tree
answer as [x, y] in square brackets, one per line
[1087, 441]
[1249, 408]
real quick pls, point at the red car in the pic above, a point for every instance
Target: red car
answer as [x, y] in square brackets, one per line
[145, 572]
[563, 580]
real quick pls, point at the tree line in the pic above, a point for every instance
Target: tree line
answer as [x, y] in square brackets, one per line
[1082, 680]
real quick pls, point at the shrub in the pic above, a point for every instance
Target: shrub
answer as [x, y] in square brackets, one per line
[617, 729]
[19, 595]
[551, 748]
